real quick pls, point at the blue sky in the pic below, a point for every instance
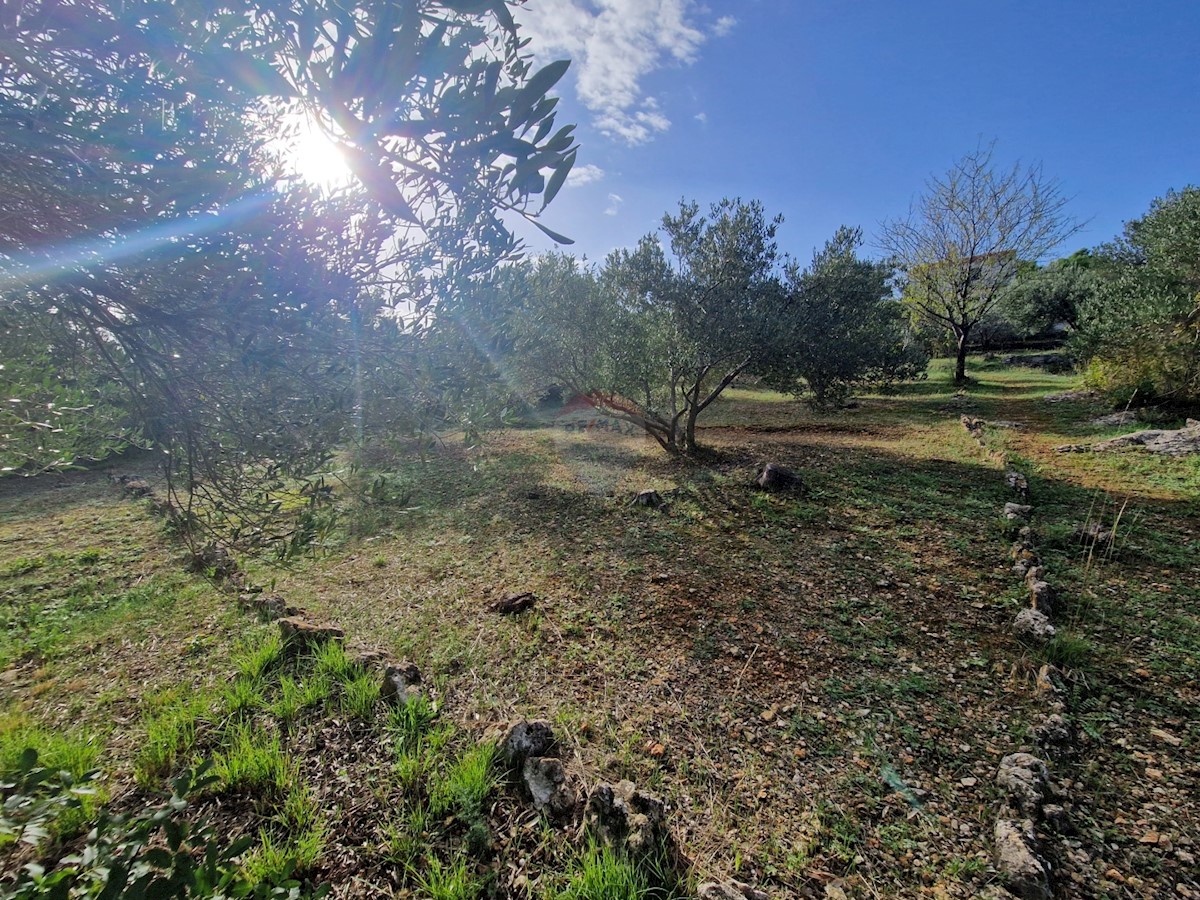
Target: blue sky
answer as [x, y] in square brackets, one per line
[836, 112]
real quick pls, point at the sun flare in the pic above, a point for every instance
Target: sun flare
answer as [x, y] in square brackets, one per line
[317, 160]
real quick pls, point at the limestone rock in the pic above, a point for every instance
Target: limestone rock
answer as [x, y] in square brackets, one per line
[301, 635]
[1093, 534]
[729, 890]
[1041, 596]
[517, 603]
[401, 684]
[367, 658]
[527, 739]
[1021, 549]
[269, 607]
[1113, 420]
[1054, 734]
[1017, 481]
[774, 477]
[1173, 443]
[1023, 871]
[994, 892]
[1024, 778]
[1014, 511]
[620, 814]
[548, 785]
[1033, 625]
[1056, 819]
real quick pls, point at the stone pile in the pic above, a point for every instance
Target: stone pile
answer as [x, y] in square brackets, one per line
[1024, 779]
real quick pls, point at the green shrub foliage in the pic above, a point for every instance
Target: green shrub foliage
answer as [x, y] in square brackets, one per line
[1140, 331]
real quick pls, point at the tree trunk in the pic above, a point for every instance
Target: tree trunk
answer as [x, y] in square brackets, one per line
[689, 434]
[960, 362]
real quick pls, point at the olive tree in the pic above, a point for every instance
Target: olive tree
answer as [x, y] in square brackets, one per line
[841, 326]
[696, 311]
[145, 215]
[1140, 329]
[966, 237]
[651, 337]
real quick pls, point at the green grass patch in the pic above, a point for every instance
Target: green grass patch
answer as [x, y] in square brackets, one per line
[1067, 650]
[466, 785]
[171, 734]
[276, 860]
[252, 760]
[449, 881]
[603, 874]
[255, 659]
[68, 751]
[359, 696]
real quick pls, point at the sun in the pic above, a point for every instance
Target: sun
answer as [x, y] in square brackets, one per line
[314, 158]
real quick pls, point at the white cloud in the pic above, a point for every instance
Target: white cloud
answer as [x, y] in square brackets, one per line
[702, 118]
[585, 174]
[614, 204]
[723, 26]
[614, 44]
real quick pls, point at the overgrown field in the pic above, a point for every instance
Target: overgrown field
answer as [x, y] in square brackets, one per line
[819, 683]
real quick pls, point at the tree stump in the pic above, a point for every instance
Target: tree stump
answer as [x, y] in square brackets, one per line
[774, 477]
[651, 499]
[515, 604]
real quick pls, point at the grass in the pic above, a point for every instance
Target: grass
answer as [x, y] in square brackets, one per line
[360, 695]
[256, 658]
[299, 694]
[171, 733]
[1067, 650]
[72, 752]
[466, 784]
[276, 860]
[331, 661]
[449, 881]
[848, 642]
[253, 761]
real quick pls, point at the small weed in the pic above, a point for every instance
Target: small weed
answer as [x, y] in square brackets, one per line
[466, 785]
[966, 869]
[252, 761]
[1067, 651]
[360, 695]
[603, 875]
[449, 882]
[170, 734]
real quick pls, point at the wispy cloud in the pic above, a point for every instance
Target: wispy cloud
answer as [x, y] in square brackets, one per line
[701, 117]
[585, 174]
[723, 26]
[614, 44]
[614, 204]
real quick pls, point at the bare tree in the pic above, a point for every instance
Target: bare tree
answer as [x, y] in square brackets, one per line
[966, 236]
